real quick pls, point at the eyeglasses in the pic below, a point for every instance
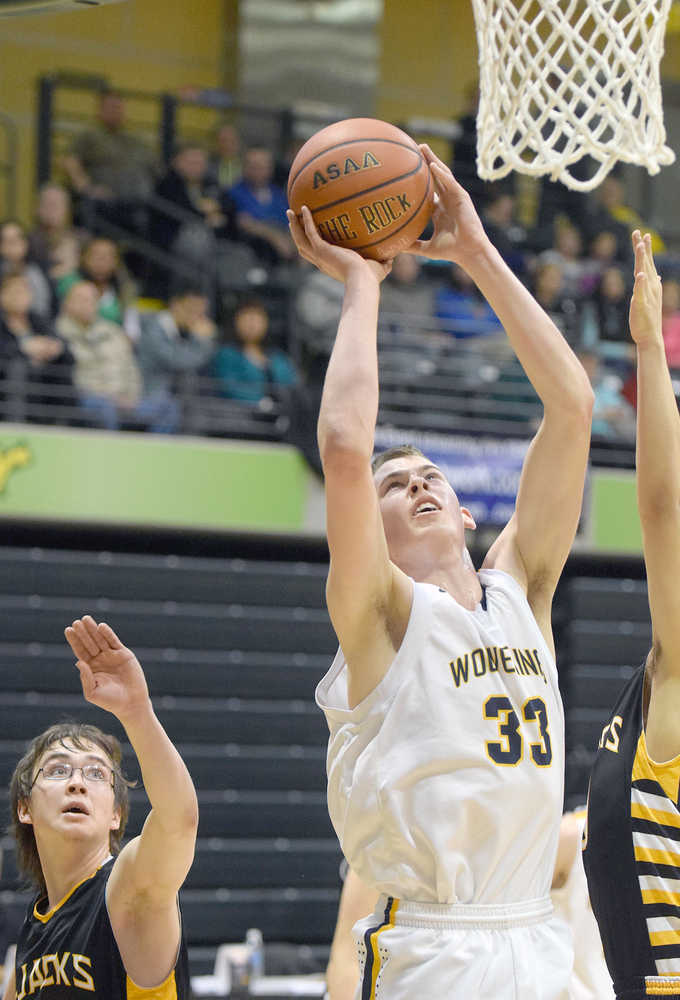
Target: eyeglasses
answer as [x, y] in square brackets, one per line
[59, 770]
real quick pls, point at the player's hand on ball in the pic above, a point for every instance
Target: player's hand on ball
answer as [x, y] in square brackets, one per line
[458, 231]
[110, 673]
[645, 304]
[336, 262]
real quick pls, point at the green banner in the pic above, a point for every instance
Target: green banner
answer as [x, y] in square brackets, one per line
[144, 479]
[615, 524]
[81, 476]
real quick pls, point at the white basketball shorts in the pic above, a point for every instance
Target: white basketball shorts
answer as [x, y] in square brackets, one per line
[422, 951]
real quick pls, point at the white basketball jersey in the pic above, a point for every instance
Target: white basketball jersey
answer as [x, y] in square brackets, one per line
[590, 978]
[445, 783]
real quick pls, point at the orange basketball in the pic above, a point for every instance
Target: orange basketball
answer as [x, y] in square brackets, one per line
[366, 184]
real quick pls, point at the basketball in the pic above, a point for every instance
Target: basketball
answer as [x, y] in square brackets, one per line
[366, 184]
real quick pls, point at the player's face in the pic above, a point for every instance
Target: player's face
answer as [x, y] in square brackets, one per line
[416, 501]
[76, 806]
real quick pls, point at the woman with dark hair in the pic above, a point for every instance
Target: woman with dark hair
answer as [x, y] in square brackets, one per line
[249, 369]
[100, 263]
[106, 919]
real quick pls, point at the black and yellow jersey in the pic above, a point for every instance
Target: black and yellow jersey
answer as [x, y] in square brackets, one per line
[631, 854]
[70, 951]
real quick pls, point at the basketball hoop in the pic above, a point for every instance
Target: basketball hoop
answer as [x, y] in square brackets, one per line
[564, 79]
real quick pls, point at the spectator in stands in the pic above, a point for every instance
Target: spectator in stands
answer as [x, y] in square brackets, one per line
[14, 259]
[54, 243]
[407, 299]
[504, 229]
[106, 375]
[249, 369]
[108, 167]
[605, 320]
[563, 309]
[29, 348]
[611, 195]
[567, 253]
[189, 213]
[613, 415]
[671, 321]
[608, 211]
[224, 164]
[461, 309]
[101, 265]
[175, 343]
[602, 251]
[260, 207]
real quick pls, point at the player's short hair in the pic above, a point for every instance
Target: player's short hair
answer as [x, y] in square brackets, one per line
[398, 451]
[78, 734]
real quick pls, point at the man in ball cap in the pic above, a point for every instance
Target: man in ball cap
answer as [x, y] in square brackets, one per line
[446, 757]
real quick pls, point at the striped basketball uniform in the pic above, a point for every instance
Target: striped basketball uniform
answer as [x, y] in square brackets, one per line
[70, 951]
[590, 978]
[445, 790]
[632, 854]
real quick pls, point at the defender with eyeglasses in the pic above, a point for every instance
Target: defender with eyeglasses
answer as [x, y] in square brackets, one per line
[105, 920]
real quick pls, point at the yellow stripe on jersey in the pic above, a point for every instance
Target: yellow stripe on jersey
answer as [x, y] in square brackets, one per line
[662, 987]
[658, 938]
[659, 896]
[375, 946]
[657, 857]
[639, 810]
[166, 991]
[44, 917]
[666, 774]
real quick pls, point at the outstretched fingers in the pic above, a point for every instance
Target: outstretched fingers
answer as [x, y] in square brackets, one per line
[109, 637]
[88, 639]
[80, 640]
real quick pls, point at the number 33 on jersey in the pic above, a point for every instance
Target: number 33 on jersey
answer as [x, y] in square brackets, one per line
[509, 750]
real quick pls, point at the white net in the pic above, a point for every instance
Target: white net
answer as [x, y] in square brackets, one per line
[564, 79]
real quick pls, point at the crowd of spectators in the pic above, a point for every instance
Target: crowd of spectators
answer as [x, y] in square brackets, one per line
[135, 276]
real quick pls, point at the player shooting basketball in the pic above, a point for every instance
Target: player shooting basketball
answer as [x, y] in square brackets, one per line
[446, 759]
[104, 922]
[631, 853]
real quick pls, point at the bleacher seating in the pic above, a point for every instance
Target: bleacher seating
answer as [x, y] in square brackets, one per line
[232, 650]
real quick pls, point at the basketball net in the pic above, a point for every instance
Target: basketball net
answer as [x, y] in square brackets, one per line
[561, 79]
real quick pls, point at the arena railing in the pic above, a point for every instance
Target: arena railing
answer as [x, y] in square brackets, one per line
[499, 402]
[163, 119]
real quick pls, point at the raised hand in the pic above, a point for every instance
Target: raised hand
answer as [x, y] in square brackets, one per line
[458, 231]
[645, 304]
[336, 262]
[110, 673]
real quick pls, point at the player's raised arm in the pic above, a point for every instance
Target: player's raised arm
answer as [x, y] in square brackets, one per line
[361, 580]
[535, 544]
[147, 874]
[658, 490]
